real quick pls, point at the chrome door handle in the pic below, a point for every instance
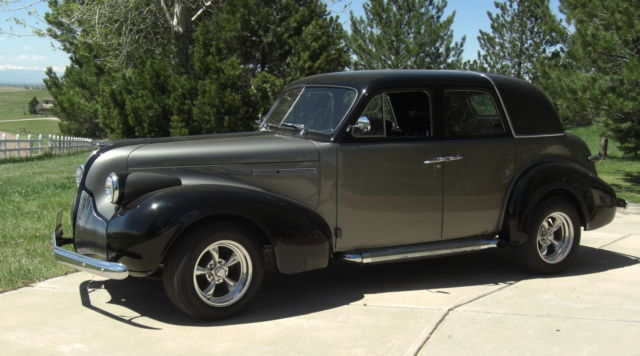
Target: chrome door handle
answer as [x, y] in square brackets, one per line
[443, 159]
[435, 160]
[452, 158]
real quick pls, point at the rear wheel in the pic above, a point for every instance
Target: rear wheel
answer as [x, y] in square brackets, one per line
[214, 272]
[553, 237]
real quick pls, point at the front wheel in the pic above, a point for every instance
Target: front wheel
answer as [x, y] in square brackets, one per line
[553, 237]
[214, 272]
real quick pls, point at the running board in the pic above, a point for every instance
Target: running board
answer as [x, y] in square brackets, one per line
[427, 250]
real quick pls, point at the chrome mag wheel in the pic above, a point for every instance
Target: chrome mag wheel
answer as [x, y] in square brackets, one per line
[555, 237]
[222, 273]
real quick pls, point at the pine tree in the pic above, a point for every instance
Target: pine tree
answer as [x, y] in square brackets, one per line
[77, 94]
[523, 32]
[235, 60]
[33, 106]
[600, 75]
[405, 34]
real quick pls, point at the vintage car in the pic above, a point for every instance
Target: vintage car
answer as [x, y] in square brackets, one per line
[362, 166]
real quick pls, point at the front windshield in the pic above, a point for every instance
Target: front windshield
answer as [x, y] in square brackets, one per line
[317, 109]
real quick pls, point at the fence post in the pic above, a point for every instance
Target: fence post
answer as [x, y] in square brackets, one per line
[18, 151]
[40, 144]
[29, 144]
[3, 144]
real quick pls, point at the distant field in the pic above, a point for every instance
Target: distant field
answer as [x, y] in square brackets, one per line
[44, 127]
[14, 102]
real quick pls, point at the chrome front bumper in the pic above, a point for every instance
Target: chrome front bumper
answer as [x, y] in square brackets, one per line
[81, 262]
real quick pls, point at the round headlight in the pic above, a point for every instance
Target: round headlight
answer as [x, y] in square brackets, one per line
[79, 173]
[112, 188]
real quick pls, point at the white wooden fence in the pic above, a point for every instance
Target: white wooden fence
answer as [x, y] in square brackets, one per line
[33, 146]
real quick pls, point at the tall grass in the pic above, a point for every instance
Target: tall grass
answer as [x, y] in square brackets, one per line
[31, 193]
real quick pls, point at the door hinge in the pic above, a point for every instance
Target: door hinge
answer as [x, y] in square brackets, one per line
[338, 232]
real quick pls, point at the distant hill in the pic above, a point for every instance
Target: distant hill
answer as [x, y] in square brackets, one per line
[22, 77]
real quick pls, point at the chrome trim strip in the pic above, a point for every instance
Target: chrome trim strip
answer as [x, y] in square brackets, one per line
[434, 249]
[540, 135]
[443, 159]
[85, 263]
[283, 171]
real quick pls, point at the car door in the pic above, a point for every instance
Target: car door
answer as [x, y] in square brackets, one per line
[387, 195]
[479, 167]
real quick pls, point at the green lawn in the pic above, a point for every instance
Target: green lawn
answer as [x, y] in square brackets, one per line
[14, 103]
[622, 173]
[31, 193]
[23, 127]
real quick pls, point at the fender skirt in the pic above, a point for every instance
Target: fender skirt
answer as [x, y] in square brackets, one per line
[141, 233]
[594, 199]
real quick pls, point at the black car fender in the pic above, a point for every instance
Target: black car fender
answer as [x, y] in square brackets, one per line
[589, 194]
[141, 233]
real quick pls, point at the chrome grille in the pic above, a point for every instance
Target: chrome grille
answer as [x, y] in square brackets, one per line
[85, 209]
[90, 229]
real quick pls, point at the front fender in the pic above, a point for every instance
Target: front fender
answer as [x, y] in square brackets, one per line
[593, 198]
[140, 234]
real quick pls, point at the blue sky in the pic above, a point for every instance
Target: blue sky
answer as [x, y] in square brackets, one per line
[27, 56]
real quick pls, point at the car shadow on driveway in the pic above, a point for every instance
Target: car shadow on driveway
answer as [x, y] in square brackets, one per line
[285, 296]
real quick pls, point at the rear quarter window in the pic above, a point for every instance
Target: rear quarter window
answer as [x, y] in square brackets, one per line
[470, 113]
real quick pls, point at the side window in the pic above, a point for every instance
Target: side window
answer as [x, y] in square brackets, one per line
[399, 114]
[470, 113]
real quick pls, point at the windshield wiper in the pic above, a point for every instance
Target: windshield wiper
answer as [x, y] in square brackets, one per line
[299, 127]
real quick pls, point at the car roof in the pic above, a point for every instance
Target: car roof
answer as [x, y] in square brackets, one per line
[376, 79]
[529, 111]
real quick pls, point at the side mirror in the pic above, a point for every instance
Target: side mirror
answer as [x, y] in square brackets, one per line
[362, 127]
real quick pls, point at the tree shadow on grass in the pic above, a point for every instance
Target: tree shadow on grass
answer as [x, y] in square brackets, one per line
[633, 178]
[285, 296]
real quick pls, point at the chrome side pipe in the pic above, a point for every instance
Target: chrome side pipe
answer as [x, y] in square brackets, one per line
[418, 251]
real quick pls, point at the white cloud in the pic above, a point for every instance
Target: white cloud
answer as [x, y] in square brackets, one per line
[5, 67]
[30, 57]
[27, 47]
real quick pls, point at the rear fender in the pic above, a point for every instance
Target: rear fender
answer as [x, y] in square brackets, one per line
[578, 185]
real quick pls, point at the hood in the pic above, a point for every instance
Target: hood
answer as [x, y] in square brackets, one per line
[252, 147]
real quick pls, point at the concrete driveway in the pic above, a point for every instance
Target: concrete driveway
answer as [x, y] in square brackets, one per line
[478, 304]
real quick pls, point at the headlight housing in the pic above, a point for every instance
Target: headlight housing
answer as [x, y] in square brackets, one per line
[112, 188]
[79, 173]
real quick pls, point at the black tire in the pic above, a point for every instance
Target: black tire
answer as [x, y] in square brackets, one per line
[190, 271]
[550, 251]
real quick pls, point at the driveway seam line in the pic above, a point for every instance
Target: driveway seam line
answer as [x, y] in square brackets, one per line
[449, 310]
[614, 241]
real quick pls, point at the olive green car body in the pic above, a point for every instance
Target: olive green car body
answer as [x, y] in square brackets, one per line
[310, 198]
